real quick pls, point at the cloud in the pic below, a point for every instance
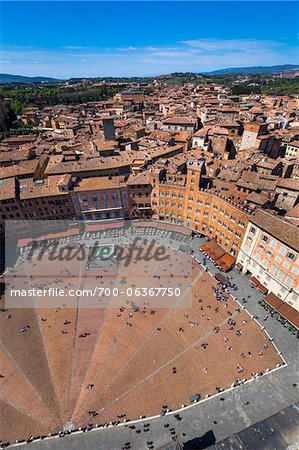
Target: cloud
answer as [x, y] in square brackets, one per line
[197, 55]
[72, 47]
[169, 54]
[127, 49]
[230, 45]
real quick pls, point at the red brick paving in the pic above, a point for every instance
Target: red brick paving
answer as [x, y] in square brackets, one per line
[16, 423]
[25, 396]
[28, 350]
[46, 372]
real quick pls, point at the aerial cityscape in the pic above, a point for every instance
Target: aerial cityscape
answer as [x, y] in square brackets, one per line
[149, 227]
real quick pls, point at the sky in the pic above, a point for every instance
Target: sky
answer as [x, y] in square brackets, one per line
[88, 39]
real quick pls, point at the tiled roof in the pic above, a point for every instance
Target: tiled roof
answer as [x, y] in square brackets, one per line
[277, 227]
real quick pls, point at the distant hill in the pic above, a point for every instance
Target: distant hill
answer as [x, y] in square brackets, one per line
[256, 70]
[8, 78]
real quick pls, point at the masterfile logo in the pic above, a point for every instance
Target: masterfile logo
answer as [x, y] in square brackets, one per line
[61, 264]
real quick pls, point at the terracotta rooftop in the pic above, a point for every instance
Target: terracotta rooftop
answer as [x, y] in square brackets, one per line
[25, 168]
[7, 189]
[98, 183]
[141, 178]
[267, 164]
[85, 165]
[182, 136]
[44, 188]
[219, 130]
[259, 199]
[277, 227]
[180, 120]
[19, 139]
[160, 135]
[288, 183]
[294, 144]
[293, 215]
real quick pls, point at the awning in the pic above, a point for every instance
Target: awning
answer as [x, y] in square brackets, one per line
[224, 259]
[95, 227]
[293, 317]
[259, 285]
[203, 248]
[118, 224]
[284, 309]
[273, 301]
[221, 278]
[262, 288]
[67, 233]
[254, 281]
[90, 227]
[178, 229]
[24, 242]
[226, 262]
[217, 253]
[41, 238]
[58, 235]
[161, 225]
[239, 266]
[211, 248]
[145, 224]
